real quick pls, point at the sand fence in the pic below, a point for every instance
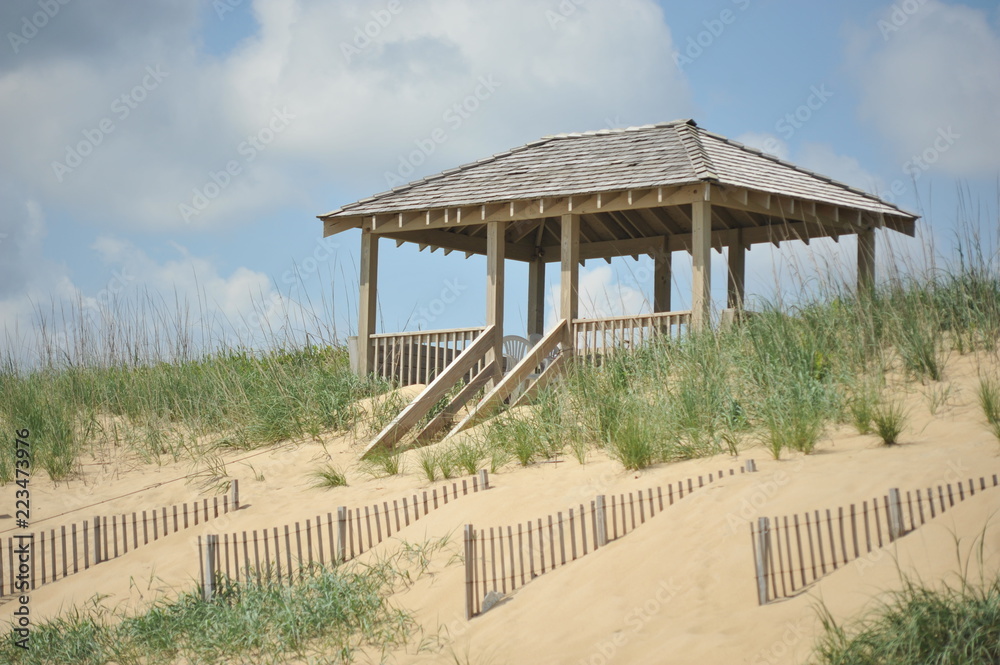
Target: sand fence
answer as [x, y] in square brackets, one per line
[792, 552]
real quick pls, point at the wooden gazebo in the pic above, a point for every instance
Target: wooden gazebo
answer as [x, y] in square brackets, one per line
[650, 190]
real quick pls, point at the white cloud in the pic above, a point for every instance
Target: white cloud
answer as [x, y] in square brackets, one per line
[145, 301]
[603, 293]
[929, 74]
[160, 121]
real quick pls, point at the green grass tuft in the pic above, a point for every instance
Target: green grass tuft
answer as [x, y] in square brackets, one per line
[888, 420]
[919, 625]
[329, 476]
[989, 401]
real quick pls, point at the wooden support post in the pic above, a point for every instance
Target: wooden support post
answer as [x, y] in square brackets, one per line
[495, 254]
[341, 554]
[234, 489]
[470, 566]
[484, 479]
[662, 276]
[602, 521]
[866, 261]
[750, 466]
[569, 287]
[211, 544]
[367, 298]
[536, 297]
[737, 270]
[896, 527]
[762, 546]
[701, 266]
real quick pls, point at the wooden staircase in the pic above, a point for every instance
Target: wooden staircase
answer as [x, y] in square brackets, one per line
[455, 373]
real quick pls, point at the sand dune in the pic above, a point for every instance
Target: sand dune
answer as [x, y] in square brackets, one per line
[679, 589]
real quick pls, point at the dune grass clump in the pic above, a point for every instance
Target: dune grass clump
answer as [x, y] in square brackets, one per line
[888, 420]
[919, 625]
[633, 445]
[988, 394]
[329, 476]
[382, 463]
[330, 615]
[468, 456]
[429, 464]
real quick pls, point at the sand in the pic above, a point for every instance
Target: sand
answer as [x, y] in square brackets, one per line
[679, 589]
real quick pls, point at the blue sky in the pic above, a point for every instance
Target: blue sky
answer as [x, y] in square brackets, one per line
[184, 149]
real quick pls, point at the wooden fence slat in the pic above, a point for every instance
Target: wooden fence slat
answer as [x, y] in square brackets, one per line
[572, 535]
[878, 523]
[781, 565]
[510, 546]
[482, 543]
[819, 544]
[798, 543]
[541, 544]
[288, 554]
[562, 541]
[614, 519]
[298, 551]
[843, 541]
[86, 546]
[788, 548]
[531, 553]
[468, 539]
[812, 551]
[493, 553]
[833, 543]
[41, 551]
[854, 532]
[520, 552]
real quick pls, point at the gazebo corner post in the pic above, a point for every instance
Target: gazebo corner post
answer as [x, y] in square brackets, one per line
[536, 296]
[737, 270]
[866, 262]
[701, 265]
[367, 298]
[495, 256]
[569, 302]
[662, 267]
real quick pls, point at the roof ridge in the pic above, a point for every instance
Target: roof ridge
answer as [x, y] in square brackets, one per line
[622, 130]
[700, 160]
[795, 167]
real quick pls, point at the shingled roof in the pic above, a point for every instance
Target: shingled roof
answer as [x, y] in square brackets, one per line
[627, 184]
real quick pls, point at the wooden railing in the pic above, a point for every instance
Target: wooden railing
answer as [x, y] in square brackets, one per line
[418, 357]
[599, 337]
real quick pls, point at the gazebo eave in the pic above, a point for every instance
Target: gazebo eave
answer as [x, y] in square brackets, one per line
[762, 217]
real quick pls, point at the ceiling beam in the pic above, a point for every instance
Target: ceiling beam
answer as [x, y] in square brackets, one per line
[462, 243]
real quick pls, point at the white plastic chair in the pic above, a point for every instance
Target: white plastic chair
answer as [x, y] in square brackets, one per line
[515, 348]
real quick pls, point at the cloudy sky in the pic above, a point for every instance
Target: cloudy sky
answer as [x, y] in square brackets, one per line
[182, 150]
